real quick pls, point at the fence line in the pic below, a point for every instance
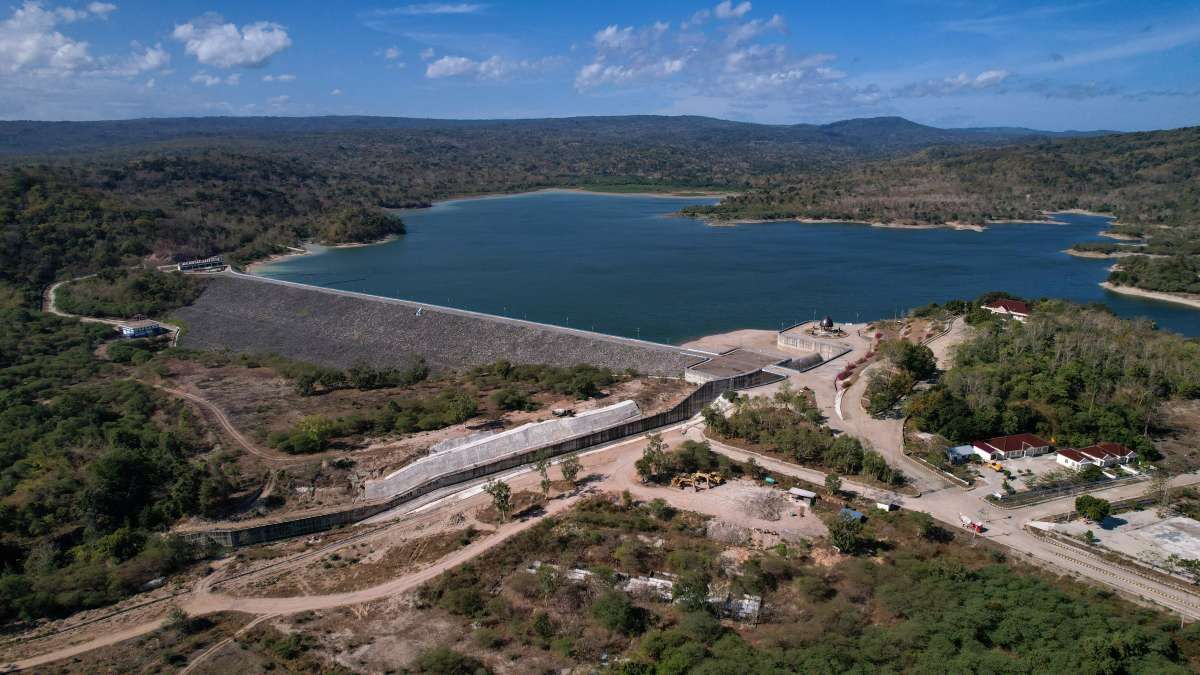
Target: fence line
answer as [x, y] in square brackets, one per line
[1037, 496]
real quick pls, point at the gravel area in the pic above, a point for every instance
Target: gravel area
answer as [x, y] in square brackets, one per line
[336, 328]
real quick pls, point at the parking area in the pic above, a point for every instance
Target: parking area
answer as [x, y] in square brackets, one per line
[1142, 535]
[1023, 470]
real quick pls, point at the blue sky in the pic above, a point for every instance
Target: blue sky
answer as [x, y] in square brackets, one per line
[1108, 64]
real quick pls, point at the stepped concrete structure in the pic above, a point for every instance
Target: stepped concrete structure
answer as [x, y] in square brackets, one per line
[255, 315]
[486, 449]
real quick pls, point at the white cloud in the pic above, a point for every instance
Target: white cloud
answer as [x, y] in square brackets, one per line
[449, 66]
[213, 80]
[224, 45]
[30, 44]
[614, 37]
[751, 29]
[286, 77]
[391, 53]
[101, 9]
[28, 40]
[427, 8]
[277, 101]
[727, 10]
[494, 68]
[150, 58]
[427, 53]
[597, 74]
[953, 85]
[336, 92]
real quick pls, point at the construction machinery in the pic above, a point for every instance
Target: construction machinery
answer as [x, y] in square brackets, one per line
[700, 480]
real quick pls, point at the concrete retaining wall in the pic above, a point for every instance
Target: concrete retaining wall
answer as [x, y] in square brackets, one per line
[693, 404]
[827, 350]
[489, 449]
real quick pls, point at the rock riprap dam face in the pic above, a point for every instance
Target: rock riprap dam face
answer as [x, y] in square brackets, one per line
[252, 315]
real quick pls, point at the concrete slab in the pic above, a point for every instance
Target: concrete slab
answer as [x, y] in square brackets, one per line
[737, 362]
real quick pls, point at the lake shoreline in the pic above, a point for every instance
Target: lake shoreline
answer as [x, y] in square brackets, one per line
[311, 248]
[1187, 299]
[952, 225]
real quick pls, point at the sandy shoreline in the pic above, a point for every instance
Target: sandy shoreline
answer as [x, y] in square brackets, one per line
[1118, 236]
[952, 225]
[676, 194]
[1188, 299]
[1104, 256]
[310, 247]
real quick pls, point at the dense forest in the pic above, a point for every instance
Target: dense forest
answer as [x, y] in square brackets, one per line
[94, 468]
[1145, 179]
[125, 293]
[1077, 375]
[1174, 274]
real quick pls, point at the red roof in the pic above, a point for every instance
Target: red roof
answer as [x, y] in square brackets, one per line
[1011, 306]
[1101, 451]
[1074, 455]
[1012, 443]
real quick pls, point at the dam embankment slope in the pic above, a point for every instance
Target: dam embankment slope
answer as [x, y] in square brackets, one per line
[247, 314]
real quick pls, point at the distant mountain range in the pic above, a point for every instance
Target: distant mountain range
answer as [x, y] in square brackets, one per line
[865, 137]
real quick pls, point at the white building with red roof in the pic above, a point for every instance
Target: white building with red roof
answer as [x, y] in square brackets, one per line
[1015, 309]
[1100, 454]
[1010, 447]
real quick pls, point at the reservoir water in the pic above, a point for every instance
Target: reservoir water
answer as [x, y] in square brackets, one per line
[623, 265]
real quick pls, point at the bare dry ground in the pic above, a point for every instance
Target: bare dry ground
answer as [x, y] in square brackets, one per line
[1180, 445]
[257, 402]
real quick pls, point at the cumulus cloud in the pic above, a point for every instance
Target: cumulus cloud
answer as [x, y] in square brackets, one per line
[727, 10]
[427, 53]
[101, 9]
[336, 92]
[32, 45]
[494, 68]
[223, 45]
[730, 55]
[960, 83]
[391, 53]
[28, 40]
[286, 77]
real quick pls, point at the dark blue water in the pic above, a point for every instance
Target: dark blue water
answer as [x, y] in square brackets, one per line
[622, 265]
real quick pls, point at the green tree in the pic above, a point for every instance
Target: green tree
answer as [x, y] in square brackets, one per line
[653, 459]
[543, 469]
[833, 483]
[1093, 508]
[570, 468]
[614, 611]
[501, 497]
[845, 533]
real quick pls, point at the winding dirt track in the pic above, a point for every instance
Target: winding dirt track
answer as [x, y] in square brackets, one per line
[265, 454]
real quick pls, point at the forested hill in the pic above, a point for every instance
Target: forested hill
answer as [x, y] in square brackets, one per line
[873, 137]
[1145, 179]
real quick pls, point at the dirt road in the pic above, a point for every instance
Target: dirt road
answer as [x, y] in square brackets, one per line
[266, 454]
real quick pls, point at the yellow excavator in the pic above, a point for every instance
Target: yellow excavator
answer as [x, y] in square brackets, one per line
[700, 480]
